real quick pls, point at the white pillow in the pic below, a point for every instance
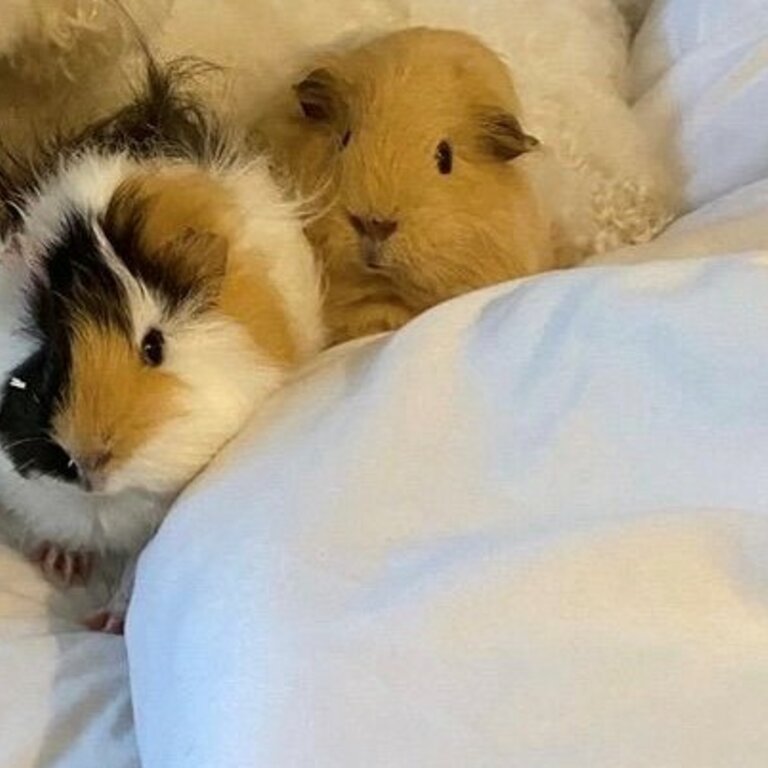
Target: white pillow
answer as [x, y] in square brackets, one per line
[700, 77]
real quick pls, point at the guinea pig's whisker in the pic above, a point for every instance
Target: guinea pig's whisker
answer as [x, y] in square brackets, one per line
[25, 466]
[17, 208]
[26, 441]
[310, 202]
[58, 295]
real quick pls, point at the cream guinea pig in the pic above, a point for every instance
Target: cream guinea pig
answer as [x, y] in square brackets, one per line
[411, 147]
[153, 292]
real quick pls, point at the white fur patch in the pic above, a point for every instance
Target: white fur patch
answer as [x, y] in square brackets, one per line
[84, 184]
[45, 509]
[273, 230]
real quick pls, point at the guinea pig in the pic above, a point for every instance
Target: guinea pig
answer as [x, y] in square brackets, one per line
[152, 295]
[412, 148]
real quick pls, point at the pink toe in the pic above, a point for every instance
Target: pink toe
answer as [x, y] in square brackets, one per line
[106, 622]
[97, 621]
[115, 625]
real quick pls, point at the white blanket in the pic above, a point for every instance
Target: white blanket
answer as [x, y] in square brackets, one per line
[529, 530]
[64, 693]
[699, 77]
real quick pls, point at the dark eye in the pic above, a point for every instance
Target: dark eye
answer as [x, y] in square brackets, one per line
[313, 110]
[345, 138]
[153, 348]
[444, 157]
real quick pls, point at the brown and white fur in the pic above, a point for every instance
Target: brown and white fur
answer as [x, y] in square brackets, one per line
[148, 303]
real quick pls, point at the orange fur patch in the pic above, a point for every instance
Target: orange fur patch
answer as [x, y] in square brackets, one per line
[114, 402]
[183, 200]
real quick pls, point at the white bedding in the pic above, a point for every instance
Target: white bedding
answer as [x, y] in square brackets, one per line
[699, 78]
[64, 693]
[530, 530]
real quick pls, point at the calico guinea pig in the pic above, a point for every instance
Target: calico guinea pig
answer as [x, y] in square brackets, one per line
[411, 147]
[150, 298]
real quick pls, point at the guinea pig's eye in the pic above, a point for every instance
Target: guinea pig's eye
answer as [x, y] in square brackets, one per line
[444, 157]
[345, 138]
[153, 348]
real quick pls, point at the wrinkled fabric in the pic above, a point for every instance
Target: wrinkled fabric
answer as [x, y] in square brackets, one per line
[64, 692]
[528, 530]
[700, 80]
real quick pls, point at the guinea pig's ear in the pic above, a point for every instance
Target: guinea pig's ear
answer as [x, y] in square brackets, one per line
[320, 97]
[197, 261]
[502, 136]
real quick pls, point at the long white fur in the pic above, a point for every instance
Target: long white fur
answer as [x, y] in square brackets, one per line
[296, 277]
[85, 183]
[224, 374]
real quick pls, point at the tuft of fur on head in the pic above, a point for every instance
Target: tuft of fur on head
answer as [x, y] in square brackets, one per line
[412, 146]
[164, 118]
[66, 62]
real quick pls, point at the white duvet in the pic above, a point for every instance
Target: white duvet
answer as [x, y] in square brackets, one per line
[529, 530]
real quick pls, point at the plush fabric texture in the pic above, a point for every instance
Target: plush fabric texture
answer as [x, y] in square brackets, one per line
[64, 62]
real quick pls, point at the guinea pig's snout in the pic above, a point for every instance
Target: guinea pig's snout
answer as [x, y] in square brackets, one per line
[92, 469]
[373, 234]
[374, 229]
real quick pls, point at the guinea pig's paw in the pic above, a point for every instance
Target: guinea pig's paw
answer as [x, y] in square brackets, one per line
[111, 619]
[108, 621]
[63, 567]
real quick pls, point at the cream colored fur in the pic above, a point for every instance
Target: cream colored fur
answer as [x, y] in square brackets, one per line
[478, 223]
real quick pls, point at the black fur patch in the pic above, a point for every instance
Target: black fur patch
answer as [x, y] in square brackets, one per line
[77, 282]
[25, 415]
[80, 281]
[165, 118]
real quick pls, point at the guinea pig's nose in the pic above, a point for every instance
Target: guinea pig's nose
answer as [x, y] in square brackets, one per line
[375, 229]
[91, 468]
